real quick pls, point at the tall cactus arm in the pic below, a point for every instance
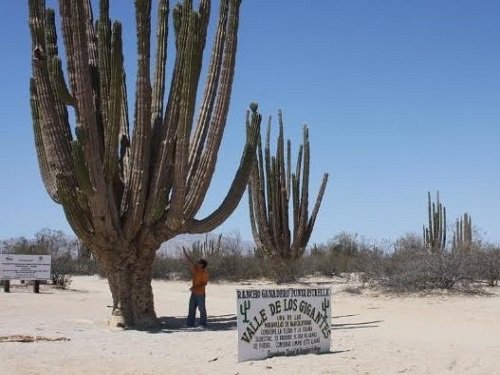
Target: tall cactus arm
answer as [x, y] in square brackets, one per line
[284, 185]
[194, 37]
[93, 63]
[59, 83]
[238, 185]
[304, 197]
[467, 229]
[55, 66]
[314, 214]
[54, 127]
[124, 153]
[174, 128]
[209, 95]
[136, 189]
[37, 17]
[115, 108]
[75, 37]
[104, 57]
[218, 119]
[160, 64]
[267, 172]
[438, 222]
[429, 231]
[257, 188]
[66, 26]
[81, 170]
[76, 210]
[253, 219]
[156, 202]
[261, 230]
[443, 229]
[51, 46]
[55, 70]
[162, 176]
[296, 189]
[275, 212]
[47, 174]
[101, 203]
[91, 40]
[80, 224]
[288, 167]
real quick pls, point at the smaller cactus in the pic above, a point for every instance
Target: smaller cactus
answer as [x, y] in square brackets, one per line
[208, 247]
[435, 234]
[278, 200]
[462, 237]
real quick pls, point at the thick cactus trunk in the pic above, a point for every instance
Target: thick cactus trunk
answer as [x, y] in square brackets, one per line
[129, 282]
[285, 270]
[130, 285]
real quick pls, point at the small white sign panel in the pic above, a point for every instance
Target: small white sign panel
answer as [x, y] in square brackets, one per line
[24, 267]
[274, 322]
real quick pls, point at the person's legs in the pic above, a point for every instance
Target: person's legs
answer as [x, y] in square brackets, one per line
[192, 311]
[203, 310]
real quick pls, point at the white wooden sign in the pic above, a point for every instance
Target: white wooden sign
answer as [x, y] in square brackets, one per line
[290, 321]
[24, 267]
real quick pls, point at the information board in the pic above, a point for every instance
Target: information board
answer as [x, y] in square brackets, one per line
[24, 267]
[290, 321]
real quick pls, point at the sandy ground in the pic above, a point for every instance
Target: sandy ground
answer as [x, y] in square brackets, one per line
[372, 334]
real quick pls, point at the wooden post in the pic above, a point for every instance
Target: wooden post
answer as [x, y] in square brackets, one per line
[36, 286]
[6, 286]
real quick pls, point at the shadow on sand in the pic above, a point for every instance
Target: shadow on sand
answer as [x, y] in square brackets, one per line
[171, 324]
[372, 324]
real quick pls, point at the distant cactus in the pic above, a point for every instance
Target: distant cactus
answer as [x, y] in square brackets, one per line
[206, 248]
[462, 236]
[125, 192]
[435, 234]
[272, 184]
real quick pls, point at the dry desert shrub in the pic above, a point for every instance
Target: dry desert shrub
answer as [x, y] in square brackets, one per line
[488, 265]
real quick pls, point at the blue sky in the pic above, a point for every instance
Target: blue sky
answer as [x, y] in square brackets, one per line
[401, 97]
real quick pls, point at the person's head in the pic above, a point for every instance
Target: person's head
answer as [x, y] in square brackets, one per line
[202, 264]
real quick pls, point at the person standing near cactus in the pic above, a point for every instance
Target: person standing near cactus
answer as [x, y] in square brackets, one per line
[197, 299]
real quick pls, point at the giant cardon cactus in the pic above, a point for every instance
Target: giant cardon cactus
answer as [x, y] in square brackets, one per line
[124, 194]
[272, 184]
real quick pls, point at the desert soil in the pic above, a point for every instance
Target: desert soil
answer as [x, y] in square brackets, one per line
[373, 333]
